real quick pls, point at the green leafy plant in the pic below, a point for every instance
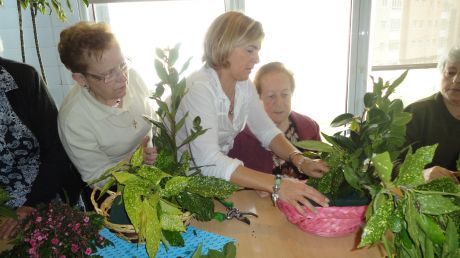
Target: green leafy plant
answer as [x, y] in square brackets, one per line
[158, 198]
[423, 218]
[381, 127]
[58, 230]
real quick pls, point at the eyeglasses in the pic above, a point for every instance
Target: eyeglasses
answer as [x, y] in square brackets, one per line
[114, 74]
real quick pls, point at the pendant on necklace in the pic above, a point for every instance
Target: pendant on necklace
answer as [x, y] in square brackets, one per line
[134, 123]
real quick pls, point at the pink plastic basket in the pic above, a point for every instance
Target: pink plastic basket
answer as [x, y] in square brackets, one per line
[328, 222]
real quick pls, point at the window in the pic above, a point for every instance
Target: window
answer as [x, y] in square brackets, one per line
[425, 30]
[141, 27]
[314, 44]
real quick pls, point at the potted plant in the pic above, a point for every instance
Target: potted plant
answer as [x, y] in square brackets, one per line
[159, 198]
[58, 230]
[410, 217]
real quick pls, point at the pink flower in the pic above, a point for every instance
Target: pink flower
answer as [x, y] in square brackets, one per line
[38, 219]
[74, 248]
[86, 219]
[54, 241]
[88, 251]
[62, 256]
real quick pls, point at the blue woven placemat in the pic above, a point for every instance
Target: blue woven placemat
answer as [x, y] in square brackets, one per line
[192, 238]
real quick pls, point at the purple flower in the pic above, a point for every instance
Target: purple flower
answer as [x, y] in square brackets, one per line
[86, 219]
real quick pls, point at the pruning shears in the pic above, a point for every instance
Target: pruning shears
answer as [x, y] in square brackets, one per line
[233, 212]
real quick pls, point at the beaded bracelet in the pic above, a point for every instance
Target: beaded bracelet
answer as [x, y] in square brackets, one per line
[276, 189]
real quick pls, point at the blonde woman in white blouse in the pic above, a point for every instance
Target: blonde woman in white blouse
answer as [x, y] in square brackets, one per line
[222, 95]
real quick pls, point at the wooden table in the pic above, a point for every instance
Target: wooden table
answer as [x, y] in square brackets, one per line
[272, 235]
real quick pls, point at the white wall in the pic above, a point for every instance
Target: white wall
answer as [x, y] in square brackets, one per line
[48, 27]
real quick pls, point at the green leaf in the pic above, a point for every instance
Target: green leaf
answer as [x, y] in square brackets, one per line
[344, 142]
[429, 251]
[396, 106]
[161, 71]
[411, 171]
[410, 218]
[402, 118]
[133, 202]
[458, 163]
[230, 250]
[342, 120]
[377, 224]
[151, 226]
[7, 212]
[152, 174]
[377, 116]
[396, 83]
[137, 158]
[201, 207]
[314, 145]
[432, 230]
[185, 65]
[351, 177]
[369, 99]
[443, 184]
[383, 165]
[197, 253]
[165, 161]
[435, 204]
[160, 54]
[208, 186]
[174, 186]
[174, 238]
[174, 54]
[451, 246]
[125, 178]
[171, 222]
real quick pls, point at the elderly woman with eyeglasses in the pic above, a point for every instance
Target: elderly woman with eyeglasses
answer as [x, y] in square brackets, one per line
[101, 119]
[436, 119]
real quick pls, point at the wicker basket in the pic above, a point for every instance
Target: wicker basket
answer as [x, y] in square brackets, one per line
[124, 231]
[328, 221]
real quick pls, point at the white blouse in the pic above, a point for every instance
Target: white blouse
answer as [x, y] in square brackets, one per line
[96, 136]
[205, 98]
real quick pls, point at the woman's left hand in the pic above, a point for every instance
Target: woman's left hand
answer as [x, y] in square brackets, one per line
[314, 167]
[150, 153]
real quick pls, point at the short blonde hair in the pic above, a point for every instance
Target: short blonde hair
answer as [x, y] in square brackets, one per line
[82, 41]
[270, 68]
[228, 31]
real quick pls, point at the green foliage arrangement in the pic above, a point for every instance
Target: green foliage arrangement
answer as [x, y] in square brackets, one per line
[158, 198]
[423, 218]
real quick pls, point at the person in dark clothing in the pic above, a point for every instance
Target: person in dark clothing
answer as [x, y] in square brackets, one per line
[34, 168]
[436, 119]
